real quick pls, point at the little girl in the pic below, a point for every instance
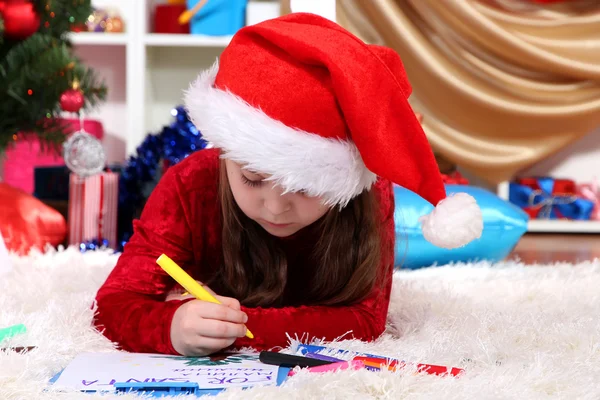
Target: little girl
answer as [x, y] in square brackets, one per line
[289, 218]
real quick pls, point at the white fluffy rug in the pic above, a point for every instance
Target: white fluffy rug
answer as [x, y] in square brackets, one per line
[521, 332]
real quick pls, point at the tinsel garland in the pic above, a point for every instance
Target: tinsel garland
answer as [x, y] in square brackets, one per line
[141, 172]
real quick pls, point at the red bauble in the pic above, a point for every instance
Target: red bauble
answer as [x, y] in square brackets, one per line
[72, 100]
[20, 19]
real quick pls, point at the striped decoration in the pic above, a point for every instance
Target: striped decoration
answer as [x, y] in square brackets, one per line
[93, 208]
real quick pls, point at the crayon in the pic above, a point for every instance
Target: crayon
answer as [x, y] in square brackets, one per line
[12, 331]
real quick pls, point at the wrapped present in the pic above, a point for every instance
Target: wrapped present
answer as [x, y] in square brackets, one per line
[549, 198]
[51, 183]
[93, 205]
[591, 192]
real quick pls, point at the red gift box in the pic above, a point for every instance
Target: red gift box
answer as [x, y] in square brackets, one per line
[93, 203]
[26, 154]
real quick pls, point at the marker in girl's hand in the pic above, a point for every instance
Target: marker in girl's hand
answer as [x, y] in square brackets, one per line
[188, 283]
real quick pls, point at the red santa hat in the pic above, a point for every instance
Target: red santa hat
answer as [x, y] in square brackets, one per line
[303, 100]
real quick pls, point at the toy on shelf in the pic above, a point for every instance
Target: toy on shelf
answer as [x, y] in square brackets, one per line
[166, 18]
[185, 16]
[105, 20]
[215, 17]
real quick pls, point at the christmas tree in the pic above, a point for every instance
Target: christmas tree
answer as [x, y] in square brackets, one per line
[39, 74]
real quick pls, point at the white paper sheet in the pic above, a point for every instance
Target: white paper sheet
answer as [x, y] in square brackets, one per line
[5, 262]
[100, 371]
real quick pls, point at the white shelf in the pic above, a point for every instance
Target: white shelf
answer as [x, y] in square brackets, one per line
[183, 40]
[99, 38]
[562, 226]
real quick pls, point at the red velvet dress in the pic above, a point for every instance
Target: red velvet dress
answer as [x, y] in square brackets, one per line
[182, 219]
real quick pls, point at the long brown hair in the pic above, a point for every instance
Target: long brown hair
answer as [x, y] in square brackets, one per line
[347, 254]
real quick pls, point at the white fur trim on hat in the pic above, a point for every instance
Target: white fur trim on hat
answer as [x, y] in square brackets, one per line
[295, 160]
[454, 222]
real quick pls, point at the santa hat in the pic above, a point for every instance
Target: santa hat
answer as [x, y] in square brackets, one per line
[303, 100]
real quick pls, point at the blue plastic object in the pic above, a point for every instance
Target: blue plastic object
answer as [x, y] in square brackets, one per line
[503, 225]
[218, 17]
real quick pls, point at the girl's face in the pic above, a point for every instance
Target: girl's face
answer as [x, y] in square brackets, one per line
[279, 214]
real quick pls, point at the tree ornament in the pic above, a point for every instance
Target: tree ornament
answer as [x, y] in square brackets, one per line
[20, 19]
[72, 100]
[83, 153]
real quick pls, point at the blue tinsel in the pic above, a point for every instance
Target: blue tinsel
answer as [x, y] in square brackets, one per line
[174, 143]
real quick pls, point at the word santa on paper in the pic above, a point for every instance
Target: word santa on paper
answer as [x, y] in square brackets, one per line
[100, 371]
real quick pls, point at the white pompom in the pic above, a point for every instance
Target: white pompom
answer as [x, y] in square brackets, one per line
[454, 222]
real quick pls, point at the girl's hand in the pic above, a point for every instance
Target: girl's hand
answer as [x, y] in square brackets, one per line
[200, 328]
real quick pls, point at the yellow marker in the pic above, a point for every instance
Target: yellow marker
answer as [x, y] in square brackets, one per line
[188, 283]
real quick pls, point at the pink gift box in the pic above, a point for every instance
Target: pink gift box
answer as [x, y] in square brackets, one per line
[26, 154]
[93, 204]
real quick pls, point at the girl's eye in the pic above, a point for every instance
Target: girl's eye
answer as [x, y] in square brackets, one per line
[250, 183]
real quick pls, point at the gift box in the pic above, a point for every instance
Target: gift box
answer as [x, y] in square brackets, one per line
[51, 183]
[591, 191]
[93, 204]
[550, 198]
[27, 153]
[218, 17]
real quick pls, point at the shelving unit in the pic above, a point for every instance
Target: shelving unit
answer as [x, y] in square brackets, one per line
[101, 39]
[146, 72]
[156, 39]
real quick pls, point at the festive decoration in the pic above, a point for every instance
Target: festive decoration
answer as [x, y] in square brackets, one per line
[38, 67]
[549, 198]
[72, 100]
[20, 19]
[105, 20]
[93, 208]
[173, 144]
[94, 244]
[25, 222]
[84, 154]
[29, 152]
[591, 192]
[503, 225]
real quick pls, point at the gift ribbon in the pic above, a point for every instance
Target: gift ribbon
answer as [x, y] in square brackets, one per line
[550, 205]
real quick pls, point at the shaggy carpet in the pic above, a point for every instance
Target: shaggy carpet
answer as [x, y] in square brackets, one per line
[520, 332]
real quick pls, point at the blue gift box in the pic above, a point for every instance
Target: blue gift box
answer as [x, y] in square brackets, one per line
[51, 183]
[218, 17]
